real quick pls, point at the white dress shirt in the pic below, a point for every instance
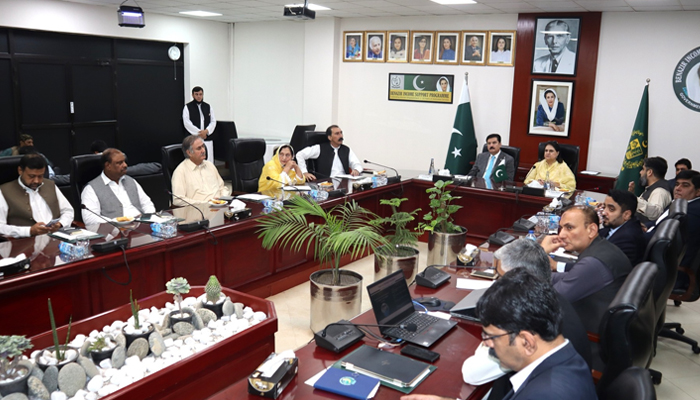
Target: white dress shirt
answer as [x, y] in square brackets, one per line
[40, 212]
[89, 198]
[193, 130]
[197, 183]
[659, 199]
[521, 376]
[313, 152]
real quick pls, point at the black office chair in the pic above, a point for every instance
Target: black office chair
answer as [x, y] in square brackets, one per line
[224, 132]
[627, 328]
[8, 168]
[510, 150]
[313, 138]
[246, 163]
[569, 153]
[83, 169]
[634, 383]
[298, 140]
[172, 156]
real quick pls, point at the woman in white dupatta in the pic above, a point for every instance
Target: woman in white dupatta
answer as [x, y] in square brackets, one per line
[551, 112]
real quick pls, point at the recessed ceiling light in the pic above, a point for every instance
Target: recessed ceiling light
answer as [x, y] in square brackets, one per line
[314, 7]
[201, 13]
[452, 2]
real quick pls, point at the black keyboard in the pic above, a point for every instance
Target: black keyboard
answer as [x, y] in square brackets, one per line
[422, 321]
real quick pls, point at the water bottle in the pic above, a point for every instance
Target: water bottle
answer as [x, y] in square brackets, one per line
[431, 170]
[531, 236]
[165, 230]
[73, 250]
[374, 181]
[546, 182]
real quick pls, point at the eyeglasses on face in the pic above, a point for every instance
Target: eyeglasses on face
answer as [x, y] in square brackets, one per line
[486, 337]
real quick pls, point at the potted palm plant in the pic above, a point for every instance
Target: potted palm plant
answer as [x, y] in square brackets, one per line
[445, 239]
[13, 373]
[400, 252]
[345, 229]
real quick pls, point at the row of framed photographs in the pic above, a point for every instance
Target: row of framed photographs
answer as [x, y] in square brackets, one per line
[426, 47]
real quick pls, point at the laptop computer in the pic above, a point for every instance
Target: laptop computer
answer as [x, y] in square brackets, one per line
[466, 308]
[392, 305]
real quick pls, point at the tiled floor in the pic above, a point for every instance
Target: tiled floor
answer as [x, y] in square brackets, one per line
[679, 365]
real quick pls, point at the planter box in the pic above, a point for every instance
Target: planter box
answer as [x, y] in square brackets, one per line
[199, 375]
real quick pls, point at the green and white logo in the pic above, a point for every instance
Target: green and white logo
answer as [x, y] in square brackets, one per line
[686, 80]
[347, 381]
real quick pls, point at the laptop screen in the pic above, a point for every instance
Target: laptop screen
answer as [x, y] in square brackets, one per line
[391, 300]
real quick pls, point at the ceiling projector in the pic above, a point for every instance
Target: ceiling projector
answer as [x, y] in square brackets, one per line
[299, 12]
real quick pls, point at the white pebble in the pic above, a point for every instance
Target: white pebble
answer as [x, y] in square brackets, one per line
[108, 389]
[225, 318]
[189, 341]
[169, 342]
[58, 395]
[259, 316]
[95, 383]
[133, 360]
[107, 329]
[91, 396]
[106, 363]
[93, 334]
[118, 378]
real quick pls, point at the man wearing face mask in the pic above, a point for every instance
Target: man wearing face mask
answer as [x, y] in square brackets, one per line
[656, 197]
[198, 118]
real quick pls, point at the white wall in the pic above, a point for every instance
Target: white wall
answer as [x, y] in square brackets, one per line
[207, 50]
[634, 47]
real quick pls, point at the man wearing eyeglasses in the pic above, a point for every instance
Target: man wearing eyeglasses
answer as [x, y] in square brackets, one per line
[591, 283]
[522, 322]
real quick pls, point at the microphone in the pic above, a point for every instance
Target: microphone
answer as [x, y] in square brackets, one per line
[411, 327]
[393, 179]
[523, 224]
[111, 245]
[285, 184]
[191, 226]
[501, 238]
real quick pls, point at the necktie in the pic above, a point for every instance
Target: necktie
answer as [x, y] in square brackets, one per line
[555, 64]
[487, 174]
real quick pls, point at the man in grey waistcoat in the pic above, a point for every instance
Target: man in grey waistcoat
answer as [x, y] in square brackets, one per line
[114, 193]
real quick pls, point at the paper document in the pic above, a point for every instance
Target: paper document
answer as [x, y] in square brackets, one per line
[348, 176]
[535, 184]
[589, 172]
[296, 188]
[253, 197]
[77, 234]
[473, 284]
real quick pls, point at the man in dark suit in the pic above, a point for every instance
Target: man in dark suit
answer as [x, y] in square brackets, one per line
[681, 165]
[486, 163]
[621, 226]
[688, 188]
[522, 322]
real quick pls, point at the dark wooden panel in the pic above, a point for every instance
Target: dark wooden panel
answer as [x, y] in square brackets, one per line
[244, 246]
[61, 44]
[55, 144]
[4, 44]
[93, 93]
[584, 84]
[9, 135]
[43, 93]
[193, 262]
[127, 49]
[85, 135]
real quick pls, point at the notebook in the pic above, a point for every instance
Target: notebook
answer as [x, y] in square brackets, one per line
[388, 367]
[392, 305]
[348, 383]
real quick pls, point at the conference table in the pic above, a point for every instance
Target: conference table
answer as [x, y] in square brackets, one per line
[231, 250]
[446, 380]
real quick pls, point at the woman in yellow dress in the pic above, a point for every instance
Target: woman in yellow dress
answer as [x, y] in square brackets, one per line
[560, 175]
[280, 168]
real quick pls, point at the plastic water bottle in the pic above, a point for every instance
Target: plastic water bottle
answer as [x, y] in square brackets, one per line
[73, 250]
[431, 170]
[546, 182]
[531, 236]
[165, 230]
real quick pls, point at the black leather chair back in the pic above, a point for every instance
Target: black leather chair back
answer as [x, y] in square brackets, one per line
[663, 250]
[628, 327]
[569, 153]
[634, 383]
[678, 209]
[313, 138]
[224, 132]
[298, 140]
[83, 169]
[172, 156]
[246, 163]
[8, 168]
[510, 150]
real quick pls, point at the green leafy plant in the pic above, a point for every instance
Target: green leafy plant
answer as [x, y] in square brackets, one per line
[60, 355]
[98, 344]
[440, 219]
[213, 289]
[11, 347]
[134, 310]
[399, 234]
[345, 229]
[178, 287]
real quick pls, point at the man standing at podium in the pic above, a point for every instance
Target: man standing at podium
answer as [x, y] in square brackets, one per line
[198, 118]
[486, 163]
[332, 158]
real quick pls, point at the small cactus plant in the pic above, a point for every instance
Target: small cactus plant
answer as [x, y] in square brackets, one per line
[177, 287]
[213, 289]
[60, 355]
[134, 310]
[11, 348]
[98, 344]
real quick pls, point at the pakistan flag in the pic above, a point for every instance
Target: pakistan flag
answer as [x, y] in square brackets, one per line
[462, 150]
[637, 149]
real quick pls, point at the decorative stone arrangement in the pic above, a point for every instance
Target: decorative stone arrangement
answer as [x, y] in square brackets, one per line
[166, 345]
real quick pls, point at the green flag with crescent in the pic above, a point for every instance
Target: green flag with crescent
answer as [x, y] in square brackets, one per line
[462, 149]
[637, 149]
[500, 174]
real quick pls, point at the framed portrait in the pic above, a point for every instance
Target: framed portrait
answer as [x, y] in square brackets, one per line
[501, 48]
[556, 46]
[352, 43]
[398, 47]
[447, 47]
[550, 108]
[376, 43]
[422, 47]
[474, 48]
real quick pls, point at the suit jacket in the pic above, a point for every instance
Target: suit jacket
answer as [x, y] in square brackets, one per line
[567, 63]
[563, 375]
[630, 239]
[482, 162]
[692, 233]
